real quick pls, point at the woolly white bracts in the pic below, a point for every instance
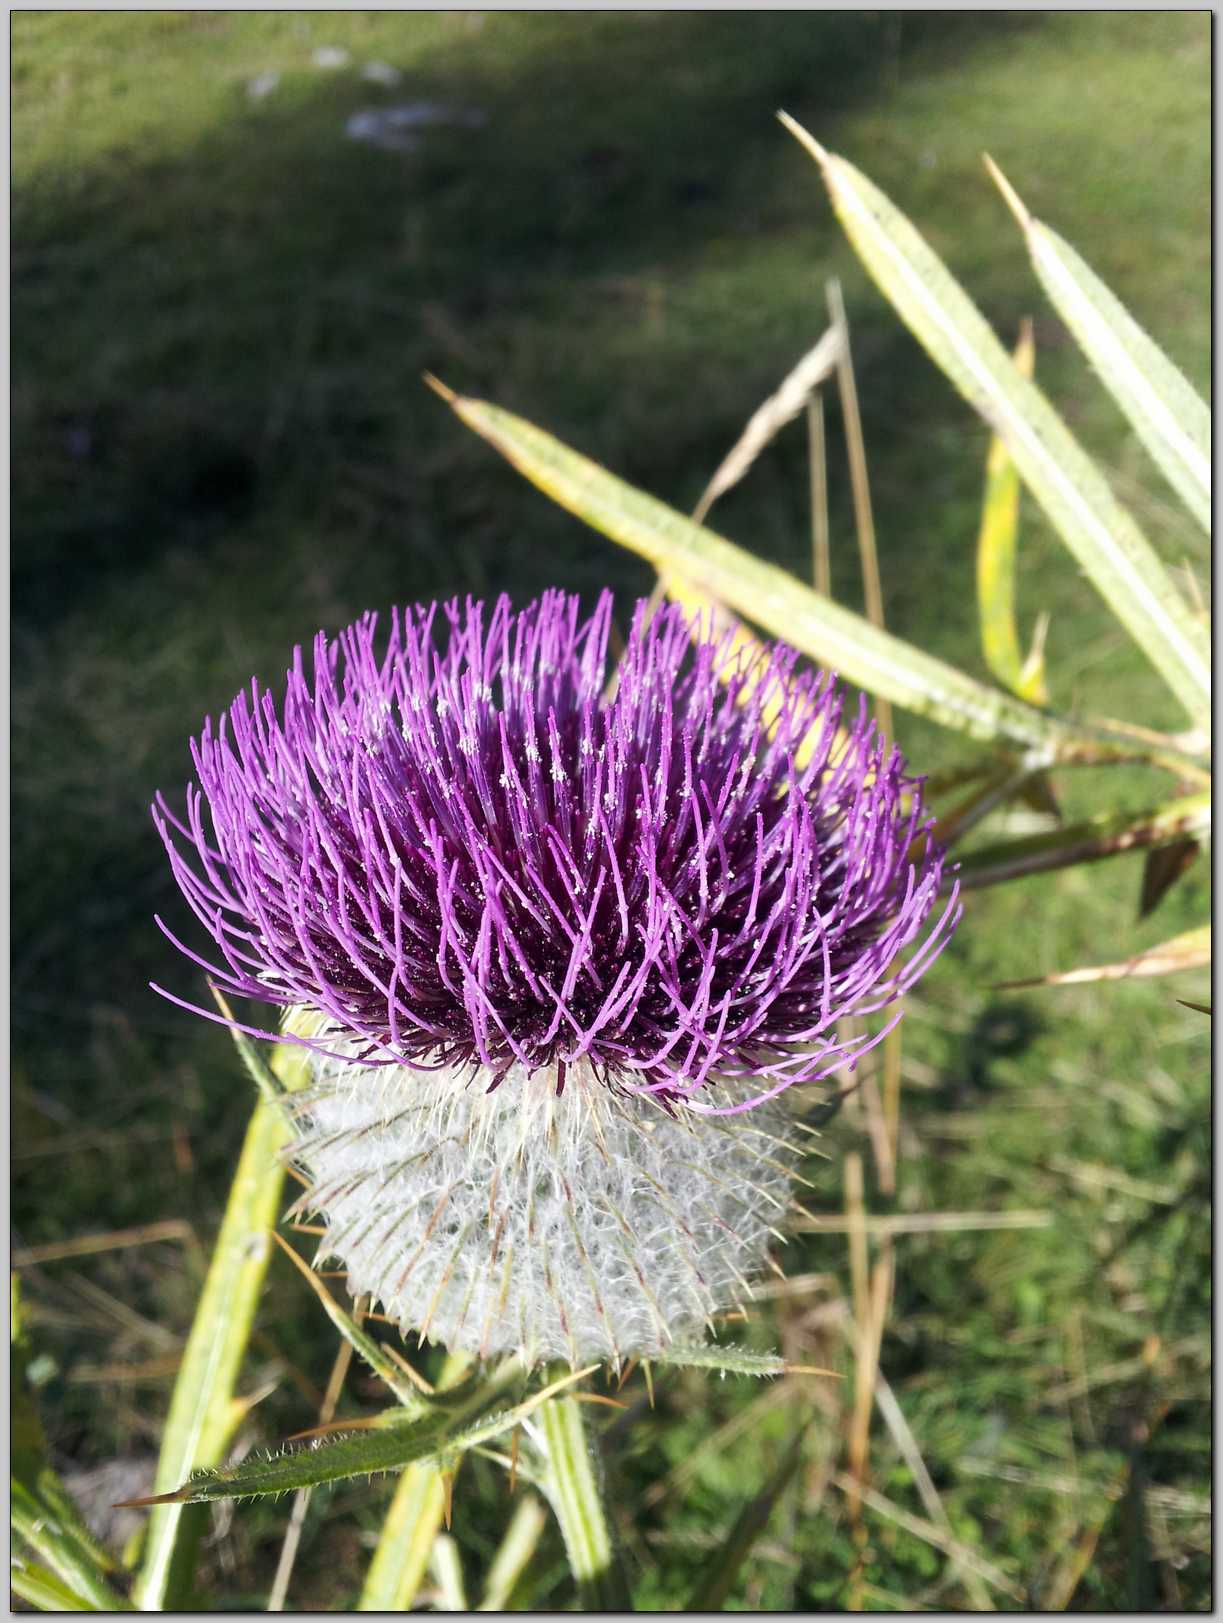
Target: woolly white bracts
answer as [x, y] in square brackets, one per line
[589, 1225]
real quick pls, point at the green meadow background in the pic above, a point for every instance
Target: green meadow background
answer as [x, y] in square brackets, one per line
[222, 306]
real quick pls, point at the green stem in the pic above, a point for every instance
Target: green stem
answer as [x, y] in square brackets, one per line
[573, 1486]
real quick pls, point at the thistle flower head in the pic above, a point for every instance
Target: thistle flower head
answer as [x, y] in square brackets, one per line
[470, 856]
[546, 935]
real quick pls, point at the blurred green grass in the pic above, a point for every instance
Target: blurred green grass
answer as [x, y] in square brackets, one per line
[221, 311]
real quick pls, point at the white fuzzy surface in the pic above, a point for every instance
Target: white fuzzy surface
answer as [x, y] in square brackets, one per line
[589, 1226]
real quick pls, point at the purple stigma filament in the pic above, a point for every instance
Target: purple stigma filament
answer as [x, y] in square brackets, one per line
[459, 854]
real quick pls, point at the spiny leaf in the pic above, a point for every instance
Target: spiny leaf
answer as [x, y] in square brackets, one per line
[1076, 497]
[1166, 412]
[386, 1448]
[735, 1361]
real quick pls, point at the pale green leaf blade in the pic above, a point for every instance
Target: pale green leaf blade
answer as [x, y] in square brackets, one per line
[871, 658]
[1110, 834]
[39, 1587]
[1074, 494]
[200, 1416]
[54, 1540]
[397, 1568]
[1166, 412]
[518, 1545]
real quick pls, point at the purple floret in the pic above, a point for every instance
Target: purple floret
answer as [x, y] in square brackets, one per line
[468, 854]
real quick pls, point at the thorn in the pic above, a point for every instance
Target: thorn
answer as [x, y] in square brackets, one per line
[449, 396]
[1010, 195]
[813, 1369]
[177, 1497]
[819, 153]
[447, 1496]
[514, 1459]
[649, 1381]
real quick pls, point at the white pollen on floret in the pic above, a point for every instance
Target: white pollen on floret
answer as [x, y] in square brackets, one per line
[593, 1225]
[531, 753]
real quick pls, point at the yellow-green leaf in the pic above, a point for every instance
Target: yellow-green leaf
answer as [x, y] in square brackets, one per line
[996, 549]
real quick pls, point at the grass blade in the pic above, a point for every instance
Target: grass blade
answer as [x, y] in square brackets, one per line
[1191, 950]
[1076, 497]
[1107, 835]
[996, 547]
[768, 596]
[41, 1510]
[723, 1567]
[198, 1426]
[519, 1544]
[1166, 412]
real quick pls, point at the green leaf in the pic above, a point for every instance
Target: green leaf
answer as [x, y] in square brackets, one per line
[996, 548]
[518, 1545]
[49, 1527]
[1073, 492]
[722, 1566]
[387, 1447]
[728, 1360]
[1110, 834]
[835, 636]
[201, 1414]
[1166, 412]
[39, 1587]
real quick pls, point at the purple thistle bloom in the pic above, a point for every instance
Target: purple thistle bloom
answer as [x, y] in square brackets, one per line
[469, 855]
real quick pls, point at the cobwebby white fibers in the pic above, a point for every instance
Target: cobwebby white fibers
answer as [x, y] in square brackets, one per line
[592, 1225]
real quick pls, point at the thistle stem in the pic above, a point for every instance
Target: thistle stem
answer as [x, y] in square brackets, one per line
[573, 1486]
